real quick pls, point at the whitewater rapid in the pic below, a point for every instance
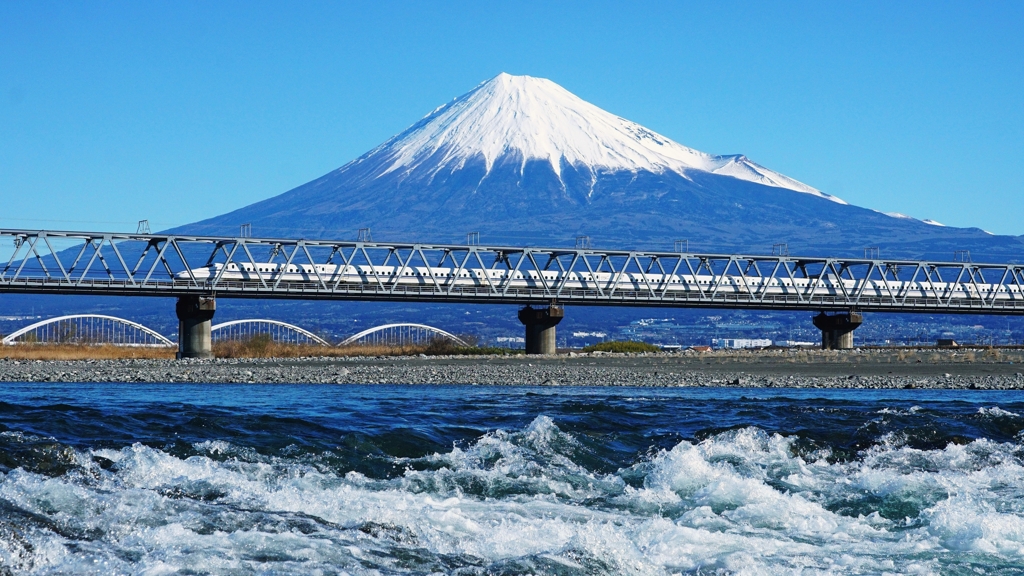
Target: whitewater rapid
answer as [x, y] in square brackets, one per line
[538, 499]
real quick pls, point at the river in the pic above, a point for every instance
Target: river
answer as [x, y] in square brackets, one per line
[337, 479]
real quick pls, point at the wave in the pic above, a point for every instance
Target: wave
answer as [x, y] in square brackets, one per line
[531, 500]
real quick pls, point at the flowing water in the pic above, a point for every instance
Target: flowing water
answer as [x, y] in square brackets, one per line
[278, 479]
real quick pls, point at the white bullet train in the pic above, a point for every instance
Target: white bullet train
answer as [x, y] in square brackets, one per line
[829, 285]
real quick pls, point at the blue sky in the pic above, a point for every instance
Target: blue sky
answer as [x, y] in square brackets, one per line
[111, 112]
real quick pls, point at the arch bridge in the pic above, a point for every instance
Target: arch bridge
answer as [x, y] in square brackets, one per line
[401, 335]
[88, 329]
[277, 330]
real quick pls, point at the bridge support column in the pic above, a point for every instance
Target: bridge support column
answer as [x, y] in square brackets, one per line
[837, 329]
[195, 314]
[540, 328]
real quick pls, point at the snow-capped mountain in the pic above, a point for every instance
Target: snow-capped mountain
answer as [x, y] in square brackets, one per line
[535, 119]
[521, 160]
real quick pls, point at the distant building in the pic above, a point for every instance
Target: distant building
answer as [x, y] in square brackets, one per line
[946, 343]
[738, 343]
[793, 344]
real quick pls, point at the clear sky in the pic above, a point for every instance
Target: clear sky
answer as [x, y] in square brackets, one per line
[111, 112]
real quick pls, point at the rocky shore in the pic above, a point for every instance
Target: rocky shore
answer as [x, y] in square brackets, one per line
[854, 369]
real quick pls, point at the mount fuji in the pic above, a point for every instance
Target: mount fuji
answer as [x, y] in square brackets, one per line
[523, 161]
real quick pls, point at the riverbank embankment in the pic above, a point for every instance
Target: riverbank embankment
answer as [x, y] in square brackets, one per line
[978, 369]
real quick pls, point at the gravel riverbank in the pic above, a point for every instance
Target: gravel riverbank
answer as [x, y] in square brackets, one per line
[752, 369]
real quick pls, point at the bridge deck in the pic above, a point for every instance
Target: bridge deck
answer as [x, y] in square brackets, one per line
[62, 262]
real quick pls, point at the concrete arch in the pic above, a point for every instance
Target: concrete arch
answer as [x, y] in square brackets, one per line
[429, 329]
[13, 336]
[285, 325]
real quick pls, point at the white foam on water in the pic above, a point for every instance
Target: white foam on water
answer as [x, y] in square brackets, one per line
[740, 502]
[996, 411]
[898, 412]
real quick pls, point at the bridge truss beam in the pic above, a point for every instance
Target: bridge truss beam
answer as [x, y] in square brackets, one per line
[401, 334]
[87, 329]
[278, 331]
[161, 265]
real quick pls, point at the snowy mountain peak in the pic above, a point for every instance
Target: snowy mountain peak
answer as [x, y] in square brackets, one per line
[529, 118]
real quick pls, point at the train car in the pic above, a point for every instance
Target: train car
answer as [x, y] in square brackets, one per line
[827, 285]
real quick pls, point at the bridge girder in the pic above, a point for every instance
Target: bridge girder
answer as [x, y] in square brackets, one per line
[400, 326]
[68, 262]
[146, 333]
[263, 322]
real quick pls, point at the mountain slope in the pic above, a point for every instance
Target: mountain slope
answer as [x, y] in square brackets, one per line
[535, 119]
[523, 161]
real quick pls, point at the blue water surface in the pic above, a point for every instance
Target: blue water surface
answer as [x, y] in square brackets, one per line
[212, 478]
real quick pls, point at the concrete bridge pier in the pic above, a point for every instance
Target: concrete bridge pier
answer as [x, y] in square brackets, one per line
[540, 328]
[837, 329]
[195, 314]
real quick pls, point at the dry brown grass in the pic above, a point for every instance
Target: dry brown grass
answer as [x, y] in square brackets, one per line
[82, 352]
[264, 348]
[252, 348]
[993, 355]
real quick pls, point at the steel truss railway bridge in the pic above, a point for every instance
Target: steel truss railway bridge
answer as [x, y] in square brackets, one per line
[103, 263]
